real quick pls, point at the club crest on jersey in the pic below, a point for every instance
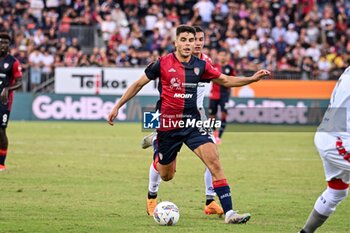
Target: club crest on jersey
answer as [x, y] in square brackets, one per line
[175, 83]
[196, 70]
[6, 65]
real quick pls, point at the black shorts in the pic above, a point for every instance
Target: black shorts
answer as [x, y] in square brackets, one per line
[213, 105]
[4, 116]
[169, 143]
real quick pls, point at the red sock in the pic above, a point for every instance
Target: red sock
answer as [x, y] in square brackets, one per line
[3, 153]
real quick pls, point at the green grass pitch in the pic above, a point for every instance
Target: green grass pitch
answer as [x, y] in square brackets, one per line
[90, 177]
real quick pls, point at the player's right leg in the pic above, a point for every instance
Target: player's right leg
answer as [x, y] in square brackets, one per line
[158, 172]
[153, 183]
[153, 186]
[3, 148]
[163, 166]
[223, 109]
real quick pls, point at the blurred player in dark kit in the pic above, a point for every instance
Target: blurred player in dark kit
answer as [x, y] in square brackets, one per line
[10, 80]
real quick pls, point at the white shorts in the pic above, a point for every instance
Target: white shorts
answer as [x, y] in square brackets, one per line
[335, 166]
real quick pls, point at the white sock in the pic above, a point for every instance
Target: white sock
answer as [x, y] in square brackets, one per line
[328, 201]
[208, 180]
[154, 137]
[154, 180]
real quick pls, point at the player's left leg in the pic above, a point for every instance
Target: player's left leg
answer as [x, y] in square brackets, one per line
[211, 207]
[206, 150]
[4, 114]
[3, 148]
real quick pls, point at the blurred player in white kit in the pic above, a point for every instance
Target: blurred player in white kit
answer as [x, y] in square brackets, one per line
[332, 141]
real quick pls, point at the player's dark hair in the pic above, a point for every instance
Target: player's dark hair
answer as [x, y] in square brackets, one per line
[198, 29]
[5, 35]
[185, 28]
[223, 50]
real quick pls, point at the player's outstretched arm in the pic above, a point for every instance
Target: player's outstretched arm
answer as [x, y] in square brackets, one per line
[233, 81]
[128, 94]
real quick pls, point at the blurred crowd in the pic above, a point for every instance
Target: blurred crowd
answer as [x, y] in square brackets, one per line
[309, 38]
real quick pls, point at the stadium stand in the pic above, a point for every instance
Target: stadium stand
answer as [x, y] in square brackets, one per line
[297, 39]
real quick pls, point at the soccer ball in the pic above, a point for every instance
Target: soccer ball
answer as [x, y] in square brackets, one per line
[166, 213]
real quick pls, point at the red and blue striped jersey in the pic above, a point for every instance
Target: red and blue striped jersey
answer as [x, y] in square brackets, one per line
[178, 83]
[10, 70]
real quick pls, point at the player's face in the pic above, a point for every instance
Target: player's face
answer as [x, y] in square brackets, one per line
[198, 47]
[4, 46]
[222, 57]
[185, 44]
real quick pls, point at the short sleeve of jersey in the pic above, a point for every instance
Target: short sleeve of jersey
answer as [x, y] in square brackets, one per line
[209, 73]
[209, 61]
[152, 71]
[16, 70]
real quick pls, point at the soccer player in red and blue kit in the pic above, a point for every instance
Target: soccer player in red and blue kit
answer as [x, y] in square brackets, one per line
[220, 95]
[154, 181]
[179, 74]
[10, 79]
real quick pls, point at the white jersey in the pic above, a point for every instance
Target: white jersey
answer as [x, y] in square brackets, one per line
[335, 126]
[202, 87]
[336, 120]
